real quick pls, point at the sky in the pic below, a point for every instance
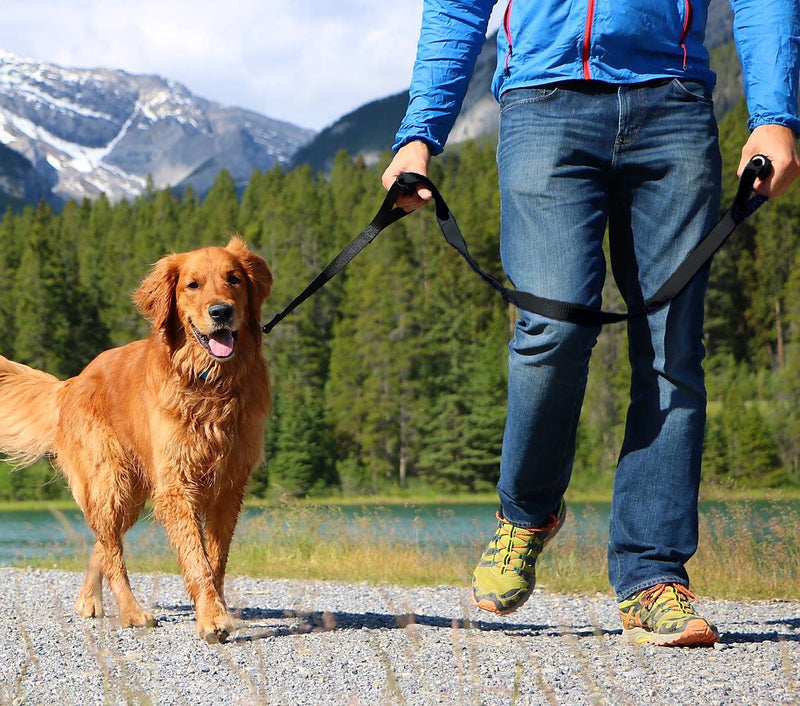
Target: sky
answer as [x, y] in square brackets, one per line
[307, 62]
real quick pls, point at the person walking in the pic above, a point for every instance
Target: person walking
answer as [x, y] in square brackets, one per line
[606, 121]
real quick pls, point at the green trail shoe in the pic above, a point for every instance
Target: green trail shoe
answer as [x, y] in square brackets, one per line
[663, 615]
[506, 573]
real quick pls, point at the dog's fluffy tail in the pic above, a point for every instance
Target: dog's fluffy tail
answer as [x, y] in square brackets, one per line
[28, 412]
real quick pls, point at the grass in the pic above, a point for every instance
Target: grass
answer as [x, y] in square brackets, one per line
[308, 541]
[759, 563]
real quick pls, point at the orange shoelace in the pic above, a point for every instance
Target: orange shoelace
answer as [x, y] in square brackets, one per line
[683, 598]
[518, 540]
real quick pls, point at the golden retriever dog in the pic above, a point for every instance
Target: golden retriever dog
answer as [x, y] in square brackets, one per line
[177, 417]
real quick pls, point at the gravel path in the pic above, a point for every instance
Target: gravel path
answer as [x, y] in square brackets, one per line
[334, 643]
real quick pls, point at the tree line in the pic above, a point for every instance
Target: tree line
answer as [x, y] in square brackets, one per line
[395, 373]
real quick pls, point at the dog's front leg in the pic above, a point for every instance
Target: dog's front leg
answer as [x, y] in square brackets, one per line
[221, 520]
[90, 597]
[175, 510]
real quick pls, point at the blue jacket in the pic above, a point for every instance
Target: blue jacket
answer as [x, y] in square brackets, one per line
[617, 41]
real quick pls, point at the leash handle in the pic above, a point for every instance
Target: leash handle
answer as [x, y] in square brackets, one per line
[746, 200]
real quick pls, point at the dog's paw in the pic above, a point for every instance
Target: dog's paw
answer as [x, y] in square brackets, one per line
[218, 631]
[89, 605]
[138, 619]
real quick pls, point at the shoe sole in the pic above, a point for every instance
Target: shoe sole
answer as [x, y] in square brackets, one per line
[697, 633]
[491, 607]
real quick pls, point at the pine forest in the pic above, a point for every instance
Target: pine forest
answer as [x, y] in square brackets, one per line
[393, 376]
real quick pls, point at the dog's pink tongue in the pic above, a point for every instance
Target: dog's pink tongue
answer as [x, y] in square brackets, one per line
[221, 343]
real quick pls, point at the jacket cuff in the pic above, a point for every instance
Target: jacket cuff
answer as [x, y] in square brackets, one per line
[789, 121]
[404, 136]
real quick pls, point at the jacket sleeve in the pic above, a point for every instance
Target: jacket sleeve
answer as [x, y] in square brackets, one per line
[767, 34]
[452, 35]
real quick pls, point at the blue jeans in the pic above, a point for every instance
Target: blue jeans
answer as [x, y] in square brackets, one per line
[643, 161]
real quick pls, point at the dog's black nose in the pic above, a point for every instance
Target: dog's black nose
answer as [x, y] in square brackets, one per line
[221, 313]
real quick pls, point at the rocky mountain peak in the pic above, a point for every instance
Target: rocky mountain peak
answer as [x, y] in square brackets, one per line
[87, 131]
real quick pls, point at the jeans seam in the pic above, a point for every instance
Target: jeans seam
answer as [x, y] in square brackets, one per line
[543, 97]
[577, 404]
[685, 92]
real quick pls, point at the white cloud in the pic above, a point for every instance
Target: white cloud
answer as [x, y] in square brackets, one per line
[306, 61]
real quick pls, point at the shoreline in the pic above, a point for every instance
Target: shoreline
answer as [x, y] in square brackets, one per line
[707, 494]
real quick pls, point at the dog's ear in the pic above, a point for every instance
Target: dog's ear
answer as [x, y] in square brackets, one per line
[258, 272]
[155, 297]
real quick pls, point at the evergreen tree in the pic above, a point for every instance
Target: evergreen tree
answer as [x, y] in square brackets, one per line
[219, 211]
[727, 329]
[301, 453]
[40, 293]
[776, 242]
[295, 237]
[467, 325]
[86, 336]
[371, 386]
[461, 449]
[189, 222]
[740, 448]
[9, 263]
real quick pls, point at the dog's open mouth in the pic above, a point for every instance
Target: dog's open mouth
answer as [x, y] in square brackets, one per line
[219, 343]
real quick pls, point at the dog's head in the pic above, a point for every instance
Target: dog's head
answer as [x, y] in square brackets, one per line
[206, 298]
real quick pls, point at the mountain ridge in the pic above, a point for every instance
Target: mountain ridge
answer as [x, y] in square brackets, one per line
[87, 131]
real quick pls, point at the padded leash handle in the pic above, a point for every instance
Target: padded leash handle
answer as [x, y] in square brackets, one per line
[746, 200]
[745, 203]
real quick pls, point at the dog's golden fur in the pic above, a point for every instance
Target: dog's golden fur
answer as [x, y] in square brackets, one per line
[178, 417]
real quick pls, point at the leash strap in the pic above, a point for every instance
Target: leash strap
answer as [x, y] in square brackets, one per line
[386, 215]
[744, 204]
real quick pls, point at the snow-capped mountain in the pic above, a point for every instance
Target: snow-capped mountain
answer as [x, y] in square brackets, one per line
[91, 131]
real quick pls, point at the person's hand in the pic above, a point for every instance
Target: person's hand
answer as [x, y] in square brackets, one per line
[779, 144]
[411, 157]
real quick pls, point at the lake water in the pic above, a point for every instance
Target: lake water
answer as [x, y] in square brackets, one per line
[28, 534]
[41, 533]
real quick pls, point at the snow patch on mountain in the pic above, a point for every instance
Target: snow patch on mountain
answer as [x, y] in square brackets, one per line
[92, 131]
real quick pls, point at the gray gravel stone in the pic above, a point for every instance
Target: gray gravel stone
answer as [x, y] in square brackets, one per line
[312, 642]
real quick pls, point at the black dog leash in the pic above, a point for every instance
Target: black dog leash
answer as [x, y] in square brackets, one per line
[386, 215]
[744, 203]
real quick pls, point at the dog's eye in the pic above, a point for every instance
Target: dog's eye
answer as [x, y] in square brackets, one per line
[193, 285]
[233, 279]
